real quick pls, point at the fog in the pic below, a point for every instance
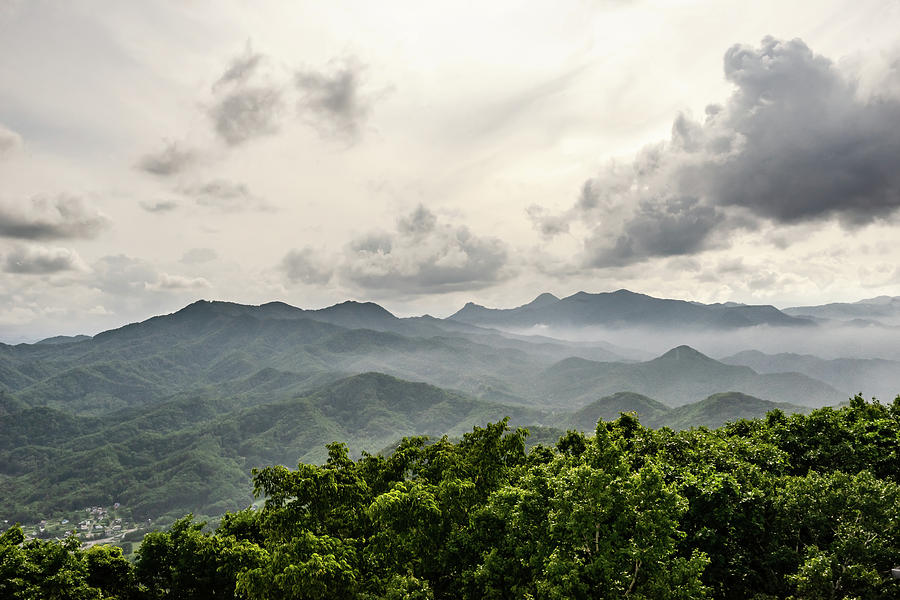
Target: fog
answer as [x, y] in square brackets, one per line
[823, 341]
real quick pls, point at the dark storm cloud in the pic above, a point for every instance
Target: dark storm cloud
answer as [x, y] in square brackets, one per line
[43, 218]
[224, 196]
[171, 160]
[41, 261]
[332, 102]
[424, 256]
[809, 146]
[303, 266]
[794, 143]
[669, 227]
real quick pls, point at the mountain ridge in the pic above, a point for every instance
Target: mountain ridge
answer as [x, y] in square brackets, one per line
[624, 308]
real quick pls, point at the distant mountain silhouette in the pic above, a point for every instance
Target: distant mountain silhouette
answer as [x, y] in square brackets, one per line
[624, 309]
[884, 310]
[64, 339]
[679, 376]
[213, 343]
[869, 376]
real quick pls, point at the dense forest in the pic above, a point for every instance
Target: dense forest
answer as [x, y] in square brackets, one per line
[800, 506]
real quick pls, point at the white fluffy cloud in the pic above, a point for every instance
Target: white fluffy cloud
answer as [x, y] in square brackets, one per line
[425, 256]
[165, 281]
[422, 255]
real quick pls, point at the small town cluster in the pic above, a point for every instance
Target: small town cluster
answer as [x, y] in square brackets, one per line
[93, 525]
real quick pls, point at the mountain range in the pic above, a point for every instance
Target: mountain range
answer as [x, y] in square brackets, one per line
[876, 376]
[882, 310]
[170, 414]
[624, 308]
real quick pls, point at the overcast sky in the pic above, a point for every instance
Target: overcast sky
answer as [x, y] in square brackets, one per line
[425, 155]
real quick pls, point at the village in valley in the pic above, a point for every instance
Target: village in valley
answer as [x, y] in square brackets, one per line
[92, 525]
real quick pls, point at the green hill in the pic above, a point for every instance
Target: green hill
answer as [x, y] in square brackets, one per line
[650, 412]
[195, 453]
[713, 411]
[725, 407]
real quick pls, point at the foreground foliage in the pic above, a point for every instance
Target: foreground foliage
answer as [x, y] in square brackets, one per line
[806, 506]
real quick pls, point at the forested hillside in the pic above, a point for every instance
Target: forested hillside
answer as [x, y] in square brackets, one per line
[801, 506]
[170, 415]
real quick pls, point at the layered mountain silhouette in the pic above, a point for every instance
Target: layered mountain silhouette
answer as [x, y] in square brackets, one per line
[875, 376]
[625, 309]
[170, 414]
[882, 310]
[679, 376]
[219, 343]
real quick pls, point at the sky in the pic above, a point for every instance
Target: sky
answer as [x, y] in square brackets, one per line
[423, 155]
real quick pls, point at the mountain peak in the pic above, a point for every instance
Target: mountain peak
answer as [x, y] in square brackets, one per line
[684, 353]
[364, 307]
[543, 300]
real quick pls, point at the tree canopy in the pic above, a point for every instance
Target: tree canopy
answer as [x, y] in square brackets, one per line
[800, 507]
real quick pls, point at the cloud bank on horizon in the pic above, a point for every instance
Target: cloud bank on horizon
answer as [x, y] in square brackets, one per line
[296, 155]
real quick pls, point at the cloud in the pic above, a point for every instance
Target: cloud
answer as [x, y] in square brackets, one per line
[196, 256]
[332, 102]
[171, 160]
[247, 113]
[161, 206]
[303, 266]
[424, 256]
[419, 222]
[40, 260]
[122, 275]
[224, 196]
[670, 226]
[125, 276]
[547, 224]
[794, 143]
[43, 218]
[9, 141]
[809, 146]
[166, 282]
[241, 68]
[245, 108]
